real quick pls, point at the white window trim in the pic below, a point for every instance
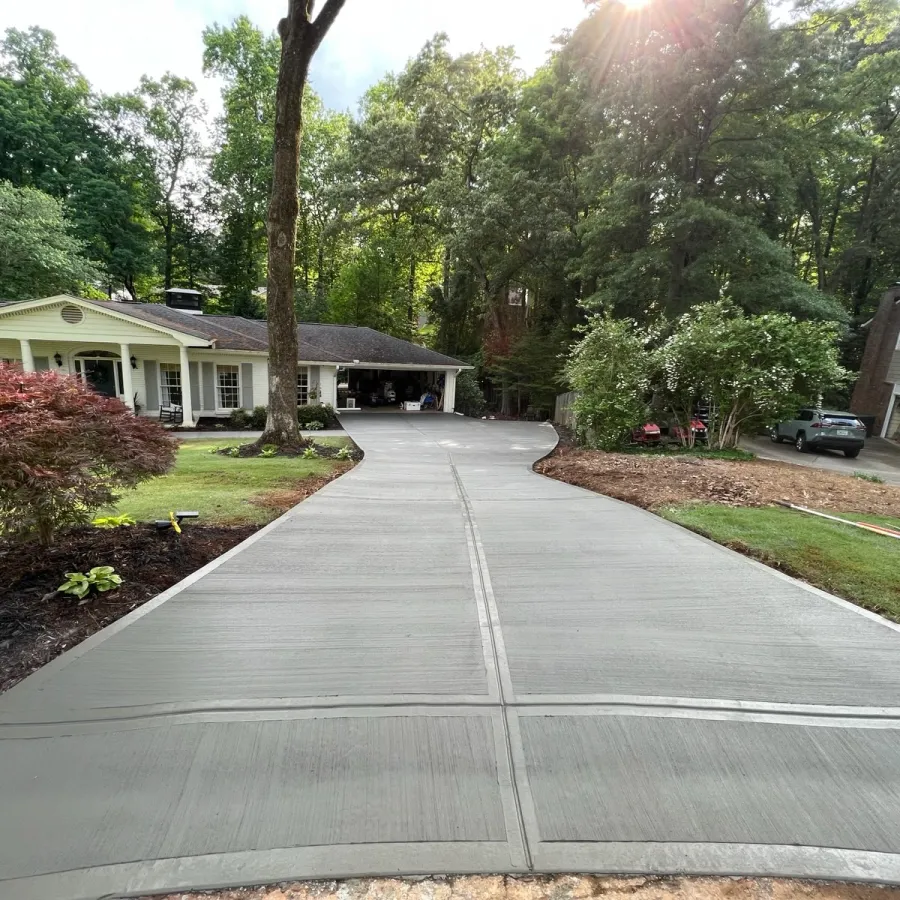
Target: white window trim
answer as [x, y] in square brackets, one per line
[240, 388]
[300, 371]
[163, 387]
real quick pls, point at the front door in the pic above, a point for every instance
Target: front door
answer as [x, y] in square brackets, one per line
[100, 374]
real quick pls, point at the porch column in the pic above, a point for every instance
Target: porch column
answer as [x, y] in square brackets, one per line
[186, 389]
[127, 385]
[450, 392]
[27, 355]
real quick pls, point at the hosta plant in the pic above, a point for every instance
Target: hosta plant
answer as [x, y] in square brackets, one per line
[123, 521]
[100, 579]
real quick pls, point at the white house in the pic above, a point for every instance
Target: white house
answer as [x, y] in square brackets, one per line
[154, 356]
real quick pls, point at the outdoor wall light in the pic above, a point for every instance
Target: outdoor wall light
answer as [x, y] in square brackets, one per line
[58, 359]
[133, 361]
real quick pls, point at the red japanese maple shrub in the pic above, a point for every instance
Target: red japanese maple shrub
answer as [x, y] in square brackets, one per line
[65, 450]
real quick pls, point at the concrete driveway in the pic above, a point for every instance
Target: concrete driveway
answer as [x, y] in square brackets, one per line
[879, 457]
[444, 663]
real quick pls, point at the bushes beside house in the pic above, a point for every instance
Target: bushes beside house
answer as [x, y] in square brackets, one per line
[239, 420]
[65, 452]
[325, 416]
[469, 395]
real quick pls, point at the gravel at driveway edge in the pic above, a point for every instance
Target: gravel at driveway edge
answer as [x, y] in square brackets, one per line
[556, 887]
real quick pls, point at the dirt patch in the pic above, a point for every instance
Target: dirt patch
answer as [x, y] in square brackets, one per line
[655, 481]
[557, 887]
[285, 498]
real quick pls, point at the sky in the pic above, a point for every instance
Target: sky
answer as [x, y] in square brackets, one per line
[114, 42]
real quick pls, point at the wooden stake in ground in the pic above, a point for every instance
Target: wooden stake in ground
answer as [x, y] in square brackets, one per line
[300, 38]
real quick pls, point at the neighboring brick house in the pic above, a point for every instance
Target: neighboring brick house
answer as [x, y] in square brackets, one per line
[877, 391]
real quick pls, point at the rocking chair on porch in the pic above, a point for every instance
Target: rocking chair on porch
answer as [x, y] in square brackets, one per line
[172, 415]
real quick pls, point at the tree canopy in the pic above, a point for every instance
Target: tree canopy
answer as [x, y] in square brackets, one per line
[664, 157]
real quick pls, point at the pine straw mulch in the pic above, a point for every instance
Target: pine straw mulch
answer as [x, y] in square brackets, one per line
[656, 481]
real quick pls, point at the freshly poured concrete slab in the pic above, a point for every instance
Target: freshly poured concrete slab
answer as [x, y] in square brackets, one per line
[600, 782]
[405, 676]
[228, 787]
[597, 598]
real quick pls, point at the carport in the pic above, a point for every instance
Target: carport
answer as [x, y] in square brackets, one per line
[379, 371]
[389, 387]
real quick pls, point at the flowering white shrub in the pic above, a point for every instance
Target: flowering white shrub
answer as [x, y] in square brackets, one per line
[753, 371]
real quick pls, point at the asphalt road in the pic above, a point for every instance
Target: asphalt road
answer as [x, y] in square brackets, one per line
[444, 663]
[879, 457]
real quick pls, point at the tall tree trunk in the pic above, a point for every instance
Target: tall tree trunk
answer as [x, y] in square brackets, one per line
[300, 38]
[505, 396]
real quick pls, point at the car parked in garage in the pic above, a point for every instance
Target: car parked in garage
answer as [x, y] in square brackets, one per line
[822, 429]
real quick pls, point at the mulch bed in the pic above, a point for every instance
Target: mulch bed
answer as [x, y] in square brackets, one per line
[323, 451]
[35, 627]
[655, 481]
[211, 426]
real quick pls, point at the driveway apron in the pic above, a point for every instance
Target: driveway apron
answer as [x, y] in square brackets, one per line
[445, 663]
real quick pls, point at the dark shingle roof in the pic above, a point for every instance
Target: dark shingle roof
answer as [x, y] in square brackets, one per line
[318, 343]
[356, 343]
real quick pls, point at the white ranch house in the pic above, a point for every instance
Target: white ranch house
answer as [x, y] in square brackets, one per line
[154, 356]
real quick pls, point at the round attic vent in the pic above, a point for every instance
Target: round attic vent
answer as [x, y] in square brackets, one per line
[72, 314]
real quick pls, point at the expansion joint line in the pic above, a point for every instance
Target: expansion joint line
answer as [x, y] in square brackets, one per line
[501, 665]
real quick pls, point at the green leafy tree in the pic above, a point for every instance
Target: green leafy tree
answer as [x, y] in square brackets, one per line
[246, 60]
[39, 254]
[323, 240]
[690, 168]
[46, 124]
[166, 120]
[58, 137]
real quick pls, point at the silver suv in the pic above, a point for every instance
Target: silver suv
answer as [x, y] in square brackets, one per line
[822, 429]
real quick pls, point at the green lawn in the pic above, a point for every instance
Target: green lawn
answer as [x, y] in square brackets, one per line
[859, 566]
[219, 487]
